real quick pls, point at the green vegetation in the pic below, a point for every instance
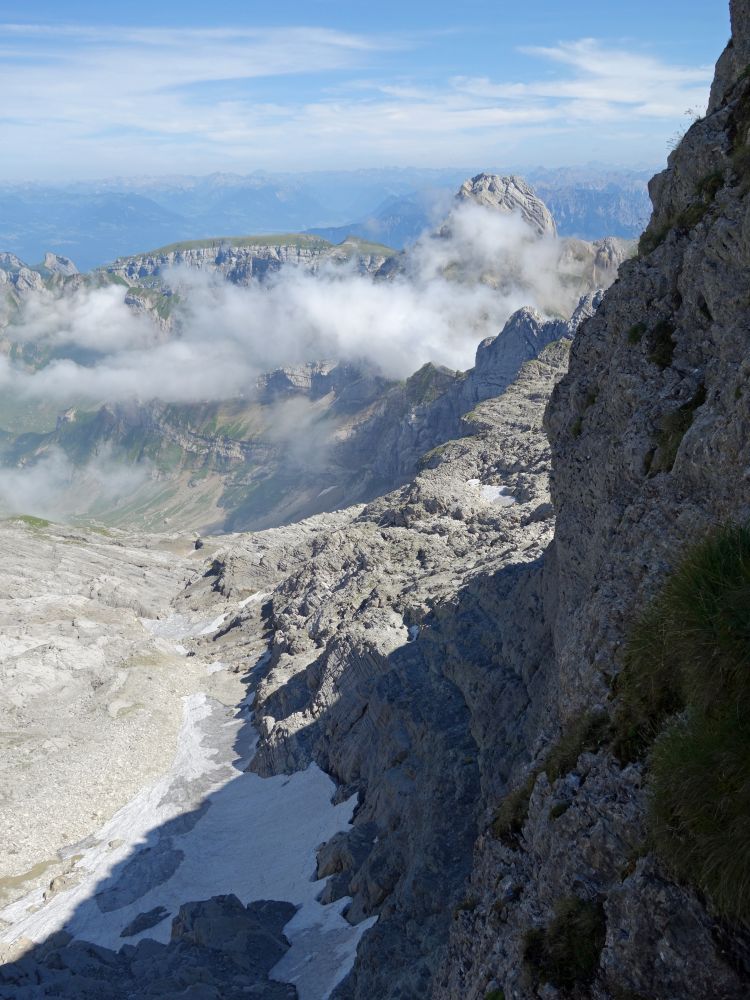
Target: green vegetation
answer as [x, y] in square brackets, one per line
[357, 245]
[710, 185]
[635, 333]
[37, 523]
[431, 458]
[685, 693]
[566, 952]
[672, 429]
[495, 995]
[512, 812]
[559, 810]
[661, 343]
[685, 220]
[577, 426]
[299, 240]
[653, 238]
[586, 734]
[427, 383]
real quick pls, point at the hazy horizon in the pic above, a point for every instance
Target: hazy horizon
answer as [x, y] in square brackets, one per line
[95, 94]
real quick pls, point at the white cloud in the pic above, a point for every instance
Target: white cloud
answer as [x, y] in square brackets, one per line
[228, 335]
[54, 487]
[120, 100]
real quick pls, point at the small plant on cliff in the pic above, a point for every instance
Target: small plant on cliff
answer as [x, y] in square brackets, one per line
[685, 691]
[672, 429]
[566, 952]
[635, 333]
[587, 733]
[33, 522]
[661, 343]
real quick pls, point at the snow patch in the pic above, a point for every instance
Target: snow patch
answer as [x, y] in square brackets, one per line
[181, 626]
[209, 827]
[255, 598]
[493, 493]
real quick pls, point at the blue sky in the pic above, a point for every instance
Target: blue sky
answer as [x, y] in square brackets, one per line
[94, 90]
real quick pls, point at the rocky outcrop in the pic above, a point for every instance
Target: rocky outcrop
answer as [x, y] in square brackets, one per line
[371, 676]
[649, 433]
[511, 195]
[219, 950]
[55, 264]
[242, 264]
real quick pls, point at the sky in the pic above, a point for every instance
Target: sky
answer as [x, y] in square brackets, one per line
[97, 90]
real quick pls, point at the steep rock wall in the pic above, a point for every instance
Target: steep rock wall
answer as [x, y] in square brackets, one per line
[650, 435]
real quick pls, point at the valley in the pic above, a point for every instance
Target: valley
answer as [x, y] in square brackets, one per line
[374, 618]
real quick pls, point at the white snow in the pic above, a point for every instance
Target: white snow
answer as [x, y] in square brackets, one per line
[256, 837]
[255, 598]
[213, 626]
[493, 493]
[182, 626]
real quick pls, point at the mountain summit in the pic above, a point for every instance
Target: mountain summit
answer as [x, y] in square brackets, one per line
[509, 194]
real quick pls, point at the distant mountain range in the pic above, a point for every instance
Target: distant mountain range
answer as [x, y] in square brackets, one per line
[95, 222]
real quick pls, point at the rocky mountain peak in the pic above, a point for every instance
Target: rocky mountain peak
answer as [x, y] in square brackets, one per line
[509, 194]
[57, 264]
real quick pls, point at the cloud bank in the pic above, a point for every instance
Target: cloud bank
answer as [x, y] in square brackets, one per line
[455, 291]
[54, 487]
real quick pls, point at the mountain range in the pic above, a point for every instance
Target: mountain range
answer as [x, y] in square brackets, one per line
[94, 222]
[475, 727]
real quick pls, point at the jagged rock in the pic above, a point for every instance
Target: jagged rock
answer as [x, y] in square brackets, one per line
[219, 950]
[509, 194]
[56, 264]
[671, 333]
[10, 263]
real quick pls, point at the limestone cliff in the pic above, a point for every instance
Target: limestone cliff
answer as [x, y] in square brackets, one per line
[650, 449]
[243, 260]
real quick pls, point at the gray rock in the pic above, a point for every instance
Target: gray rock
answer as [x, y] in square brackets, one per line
[56, 264]
[509, 194]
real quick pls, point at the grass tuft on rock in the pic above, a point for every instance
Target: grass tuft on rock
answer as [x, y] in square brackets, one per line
[512, 812]
[33, 522]
[587, 733]
[700, 806]
[672, 429]
[684, 693]
[661, 343]
[566, 953]
[635, 333]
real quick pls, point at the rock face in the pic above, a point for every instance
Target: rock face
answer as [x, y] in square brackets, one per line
[631, 486]
[219, 950]
[56, 264]
[509, 194]
[371, 675]
[255, 261]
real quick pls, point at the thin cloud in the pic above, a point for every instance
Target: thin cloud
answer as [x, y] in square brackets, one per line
[119, 99]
